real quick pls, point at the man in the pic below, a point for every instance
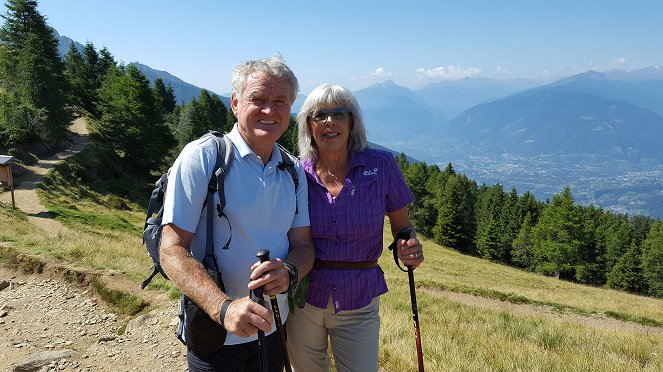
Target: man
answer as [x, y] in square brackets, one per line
[263, 212]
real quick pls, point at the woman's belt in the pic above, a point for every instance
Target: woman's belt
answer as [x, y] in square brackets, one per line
[344, 265]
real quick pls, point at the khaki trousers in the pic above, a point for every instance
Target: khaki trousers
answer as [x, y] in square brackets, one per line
[353, 334]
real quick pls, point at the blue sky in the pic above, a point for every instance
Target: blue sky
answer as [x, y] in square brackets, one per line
[357, 43]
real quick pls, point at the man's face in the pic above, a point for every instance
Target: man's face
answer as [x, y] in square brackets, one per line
[263, 111]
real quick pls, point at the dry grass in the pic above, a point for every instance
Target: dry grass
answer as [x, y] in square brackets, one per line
[458, 334]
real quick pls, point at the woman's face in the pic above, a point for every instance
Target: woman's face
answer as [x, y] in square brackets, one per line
[330, 128]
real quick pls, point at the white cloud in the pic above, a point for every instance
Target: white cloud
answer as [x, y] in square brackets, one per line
[621, 61]
[380, 71]
[447, 73]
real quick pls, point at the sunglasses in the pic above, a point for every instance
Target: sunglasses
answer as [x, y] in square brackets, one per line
[335, 114]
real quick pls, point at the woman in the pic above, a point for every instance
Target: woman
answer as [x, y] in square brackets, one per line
[351, 189]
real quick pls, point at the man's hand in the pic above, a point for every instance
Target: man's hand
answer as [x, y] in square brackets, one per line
[245, 317]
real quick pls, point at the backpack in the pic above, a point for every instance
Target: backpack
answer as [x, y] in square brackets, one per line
[152, 228]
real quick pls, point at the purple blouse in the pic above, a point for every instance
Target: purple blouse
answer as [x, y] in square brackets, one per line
[350, 227]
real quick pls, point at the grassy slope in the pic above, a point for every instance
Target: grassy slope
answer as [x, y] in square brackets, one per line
[457, 335]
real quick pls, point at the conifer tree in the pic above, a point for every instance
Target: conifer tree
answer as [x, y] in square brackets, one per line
[91, 79]
[557, 237]
[130, 122]
[489, 209]
[402, 162]
[73, 72]
[488, 241]
[521, 253]
[456, 224]
[31, 77]
[427, 214]
[590, 268]
[182, 129]
[416, 177]
[627, 274]
[164, 97]
[105, 63]
[652, 260]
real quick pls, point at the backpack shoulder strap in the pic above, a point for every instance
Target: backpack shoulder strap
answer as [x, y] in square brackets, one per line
[216, 184]
[288, 165]
[224, 158]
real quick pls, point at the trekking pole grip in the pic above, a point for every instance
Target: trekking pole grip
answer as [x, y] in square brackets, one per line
[263, 255]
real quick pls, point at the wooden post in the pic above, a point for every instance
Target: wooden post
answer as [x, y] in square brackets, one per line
[6, 180]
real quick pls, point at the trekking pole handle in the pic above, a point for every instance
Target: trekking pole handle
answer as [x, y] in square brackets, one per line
[263, 255]
[404, 234]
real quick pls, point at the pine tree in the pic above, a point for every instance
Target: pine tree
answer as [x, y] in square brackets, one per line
[91, 79]
[627, 274]
[590, 268]
[488, 241]
[31, 75]
[521, 253]
[416, 177]
[652, 259]
[74, 68]
[490, 206]
[456, 225]
[105, 63]
[184, 125]
[130, 122]
[164, 97]
[402, 162]
[557, 237]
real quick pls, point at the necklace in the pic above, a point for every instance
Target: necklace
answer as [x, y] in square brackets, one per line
[336, 175]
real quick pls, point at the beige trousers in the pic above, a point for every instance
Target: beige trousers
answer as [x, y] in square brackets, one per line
[353, 334]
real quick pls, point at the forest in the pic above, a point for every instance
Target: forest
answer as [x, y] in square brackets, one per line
[134, 120]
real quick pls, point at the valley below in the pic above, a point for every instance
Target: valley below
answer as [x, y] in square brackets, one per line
[634, 188]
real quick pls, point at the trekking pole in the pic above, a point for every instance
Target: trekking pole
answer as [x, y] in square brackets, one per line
[263, 255]
[257, 297]
[405, 234]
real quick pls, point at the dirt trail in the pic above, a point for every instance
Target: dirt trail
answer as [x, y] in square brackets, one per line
[27, 177]
[46, 325]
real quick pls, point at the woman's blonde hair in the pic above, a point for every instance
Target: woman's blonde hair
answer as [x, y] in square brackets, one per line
[326, 96]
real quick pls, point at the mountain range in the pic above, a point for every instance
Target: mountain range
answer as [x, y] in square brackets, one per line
[598, 132]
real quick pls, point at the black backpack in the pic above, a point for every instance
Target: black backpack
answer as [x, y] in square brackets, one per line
[152, 228]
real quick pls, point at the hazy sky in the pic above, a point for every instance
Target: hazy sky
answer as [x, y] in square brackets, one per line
[357, 43]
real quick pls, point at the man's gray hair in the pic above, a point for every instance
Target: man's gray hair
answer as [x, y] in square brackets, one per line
[273, 66]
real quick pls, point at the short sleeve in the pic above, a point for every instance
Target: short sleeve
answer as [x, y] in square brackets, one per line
[398, 195]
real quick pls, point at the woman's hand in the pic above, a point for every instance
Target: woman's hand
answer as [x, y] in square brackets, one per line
[271, 275]
[410, 252]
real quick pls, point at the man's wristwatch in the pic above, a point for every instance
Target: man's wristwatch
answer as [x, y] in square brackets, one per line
[293, 275]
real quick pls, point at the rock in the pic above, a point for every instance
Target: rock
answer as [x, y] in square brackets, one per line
[140, 322]
[36, 361]
[3, 284]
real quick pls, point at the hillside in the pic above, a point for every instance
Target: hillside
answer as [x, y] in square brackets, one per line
[465, 304]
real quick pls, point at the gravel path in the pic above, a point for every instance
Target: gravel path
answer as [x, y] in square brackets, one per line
[26, 179]
[46, 325]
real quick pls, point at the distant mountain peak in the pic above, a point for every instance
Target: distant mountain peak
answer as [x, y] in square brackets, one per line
[387, 84]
